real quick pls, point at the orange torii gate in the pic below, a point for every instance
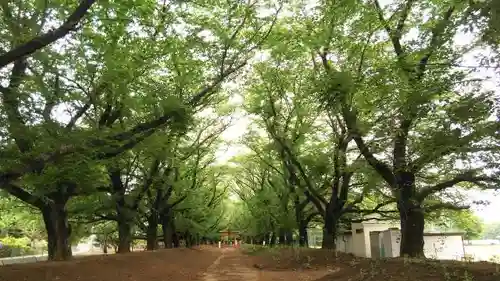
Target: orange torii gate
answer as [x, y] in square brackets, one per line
[229, 235]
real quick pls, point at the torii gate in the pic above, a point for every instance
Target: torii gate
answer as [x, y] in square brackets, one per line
[229, 235]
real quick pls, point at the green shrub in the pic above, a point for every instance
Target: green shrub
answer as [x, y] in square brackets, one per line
[250, 249]
[12, 246]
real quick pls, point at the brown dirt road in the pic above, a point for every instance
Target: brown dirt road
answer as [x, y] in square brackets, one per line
[207, 264]
[232, 265]
[161, 265]
[212, 264]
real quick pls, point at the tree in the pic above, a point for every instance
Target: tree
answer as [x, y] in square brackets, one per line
[185, 173]
[112, 114]
[313, 148]
[491, 231]
[485, 11]
[422, 125]
[41, 40]
[260, 202]
[106, 234]
[435, 124]
[462, 220]
[19, 220]
[108, 79]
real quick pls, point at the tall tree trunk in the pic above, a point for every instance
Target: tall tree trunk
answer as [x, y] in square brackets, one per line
[192, 240]
[105, 245]
[176, 241]
[288, 237]
[329, 232]
[152, 232]
[58, 229]
[412, 232]
[281, 237]
[411, 217]
[267, 237]
[303, 238]
[124, 235]
[167, 231]
[167, 235]
[188, 239]
[272, 242]
[259, 239]
[125, 213]
[175, 236]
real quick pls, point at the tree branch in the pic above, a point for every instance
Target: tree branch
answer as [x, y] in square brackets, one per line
[48, 38]
[467, 176]
[461, 145]
[437, 32]
[23, 195]
[382, 168]
[153, 171]
[16, 125]
[350, 119]
[395, 37]
[447, 206]
[376, 209]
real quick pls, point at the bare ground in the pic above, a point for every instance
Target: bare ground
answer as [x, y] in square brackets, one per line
[172, 264]
[346, 267]
[212, 264]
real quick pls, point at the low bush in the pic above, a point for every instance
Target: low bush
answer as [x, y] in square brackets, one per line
[12, 247]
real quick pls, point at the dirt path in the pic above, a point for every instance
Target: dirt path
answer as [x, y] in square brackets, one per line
[162, 265]
[200, 264]
[232, 265]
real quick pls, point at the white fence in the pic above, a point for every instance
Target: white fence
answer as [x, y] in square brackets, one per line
[23, 259]
[38, 258]
[483, 252]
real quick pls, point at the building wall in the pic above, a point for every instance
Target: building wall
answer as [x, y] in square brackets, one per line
[361, 240]
[446, 247]
[344, 243]
[358, 243]
[387, 244]
[483, 252]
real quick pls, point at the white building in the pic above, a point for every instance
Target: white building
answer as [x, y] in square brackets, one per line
[376, 239]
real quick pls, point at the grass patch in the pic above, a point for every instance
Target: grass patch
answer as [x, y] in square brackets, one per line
[256, 250]
[347, 267]
[290, 257]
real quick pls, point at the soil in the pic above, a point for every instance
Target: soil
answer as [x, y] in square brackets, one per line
[230, 264]
[170, 264]
[346, 267]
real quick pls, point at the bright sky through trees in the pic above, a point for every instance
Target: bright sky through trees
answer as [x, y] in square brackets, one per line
[491, 81]
[241, 121]
[341, 110]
